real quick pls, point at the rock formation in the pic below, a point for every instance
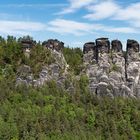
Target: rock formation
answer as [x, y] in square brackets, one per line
[116, 46]
[111, 71]
[53, 44]
[133, 66]
[27, 45]
[55, 71]
[89, 52]
[114, 74]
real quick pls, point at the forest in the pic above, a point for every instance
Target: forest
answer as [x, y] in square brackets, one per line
[52, 113]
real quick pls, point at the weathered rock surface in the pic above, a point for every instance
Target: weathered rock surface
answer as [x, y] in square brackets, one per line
[103, 45]
[111, 71]
[116, 46]
[53, 44]
[90, 46]
[89, 53]
[133, 66]
[52, 71]
[114, 74]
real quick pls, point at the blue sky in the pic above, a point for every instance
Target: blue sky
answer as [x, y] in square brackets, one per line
[72, 21]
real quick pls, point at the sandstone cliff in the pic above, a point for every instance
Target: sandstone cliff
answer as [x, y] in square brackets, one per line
[111, 72]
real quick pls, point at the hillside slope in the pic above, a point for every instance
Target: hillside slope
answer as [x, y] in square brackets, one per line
[51, 92]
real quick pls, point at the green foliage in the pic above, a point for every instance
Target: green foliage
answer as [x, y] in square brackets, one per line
[114, 68]
[73, 57]
[84, 84]
[50, 112]
[40, 56]
[12, 56]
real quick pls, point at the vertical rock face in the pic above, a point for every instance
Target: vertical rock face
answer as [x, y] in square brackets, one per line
[89, 51]
[103, 45]
[54, 71]
[133, 66]
[103, 48]
[90, 46]
[117, 69]
[116, 46]
[117, 56]
[132, 46]
[111, 71]
[89, 59]
[114, 74]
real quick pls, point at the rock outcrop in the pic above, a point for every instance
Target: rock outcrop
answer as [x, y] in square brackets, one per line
[133, 66]
[116, 46]
[53, 44]
[54, 71]
[27, 45]
[89, 53]
[111, 71]
[114, 73]
[88, 47]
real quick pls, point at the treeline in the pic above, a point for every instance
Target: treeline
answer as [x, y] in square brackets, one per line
[11, 56]
[74, 57]
[51, 112]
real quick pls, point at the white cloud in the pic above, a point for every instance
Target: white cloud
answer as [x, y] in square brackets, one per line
[63, 26]
[102, 10]
[130, 14]
[23, 5]
[20, 27]
[60, 26]
[111, 10]
[75, 5]
[121, 30]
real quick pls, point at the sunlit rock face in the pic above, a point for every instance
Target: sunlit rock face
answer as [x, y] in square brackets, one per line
[117, 69]
[103, 59]
[111, 71]
[133, 66]
[118, 58]
[103, 49]
[57, 70]
[99, 70]
[116, 73]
